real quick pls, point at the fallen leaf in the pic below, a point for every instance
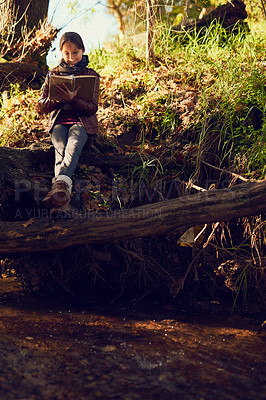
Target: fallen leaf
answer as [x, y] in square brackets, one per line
[29, 222]
[108, 348]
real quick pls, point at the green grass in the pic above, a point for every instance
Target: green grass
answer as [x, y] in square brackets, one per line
[228, 72]
[20, 121]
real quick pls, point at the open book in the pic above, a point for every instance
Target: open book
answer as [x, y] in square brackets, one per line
[86, 83]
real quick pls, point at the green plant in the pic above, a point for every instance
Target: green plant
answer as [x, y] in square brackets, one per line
[20, 121]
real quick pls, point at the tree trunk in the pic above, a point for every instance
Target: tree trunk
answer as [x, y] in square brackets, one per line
[45, 234]
[185, 17]
[29, 13]
[263, 4]
[25, 34]
[117, 10]
[228, 15]
[150, 56]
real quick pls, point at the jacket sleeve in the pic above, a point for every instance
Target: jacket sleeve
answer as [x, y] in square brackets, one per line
[45, 105]
[85, 107]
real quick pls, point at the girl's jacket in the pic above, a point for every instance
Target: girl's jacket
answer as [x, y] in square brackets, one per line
[86, 110]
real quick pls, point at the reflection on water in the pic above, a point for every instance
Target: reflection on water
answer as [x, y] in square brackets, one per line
[53, 351]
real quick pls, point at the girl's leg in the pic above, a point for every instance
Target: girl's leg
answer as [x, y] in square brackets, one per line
[59, 140]
[77, 137]
[68, 143]
[60, 192]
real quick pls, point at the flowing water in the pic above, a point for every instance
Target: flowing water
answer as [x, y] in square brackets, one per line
[53, 351]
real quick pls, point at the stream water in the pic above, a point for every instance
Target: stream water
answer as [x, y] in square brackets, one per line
[51, 350]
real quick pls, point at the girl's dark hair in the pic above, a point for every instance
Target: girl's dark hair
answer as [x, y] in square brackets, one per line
[72, 37]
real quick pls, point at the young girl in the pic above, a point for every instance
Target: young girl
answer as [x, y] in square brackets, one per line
[71, 120]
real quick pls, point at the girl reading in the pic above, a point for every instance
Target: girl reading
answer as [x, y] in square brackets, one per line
[71, 119]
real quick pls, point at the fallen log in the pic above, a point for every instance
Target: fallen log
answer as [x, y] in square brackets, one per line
[19, 167]
[29, 158]
[15, 72]
[176, 215]
[228, 15]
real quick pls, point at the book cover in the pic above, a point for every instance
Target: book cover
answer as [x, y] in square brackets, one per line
[86, 83]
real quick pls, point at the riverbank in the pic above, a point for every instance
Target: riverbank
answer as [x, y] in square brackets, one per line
[52, 349]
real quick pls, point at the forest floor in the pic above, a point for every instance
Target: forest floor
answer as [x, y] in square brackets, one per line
[52, 349]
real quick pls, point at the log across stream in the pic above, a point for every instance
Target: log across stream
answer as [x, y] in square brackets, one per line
[156, 218]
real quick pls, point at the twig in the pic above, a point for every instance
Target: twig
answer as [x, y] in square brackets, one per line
[193, 186]
[182, 280]
[211, 235]
[199, 234]
[227, 172]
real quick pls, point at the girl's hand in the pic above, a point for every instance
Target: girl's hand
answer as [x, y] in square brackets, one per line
[65, 93]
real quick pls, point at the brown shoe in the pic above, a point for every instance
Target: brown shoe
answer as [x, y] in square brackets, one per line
[65, 211]
[58, 196]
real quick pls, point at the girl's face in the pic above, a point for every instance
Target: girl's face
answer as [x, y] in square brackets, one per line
[71, 54]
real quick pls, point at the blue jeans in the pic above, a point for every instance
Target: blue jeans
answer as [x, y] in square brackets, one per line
[68, 141]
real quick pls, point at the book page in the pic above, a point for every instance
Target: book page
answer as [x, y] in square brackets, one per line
[56, 80]
[87, 84]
